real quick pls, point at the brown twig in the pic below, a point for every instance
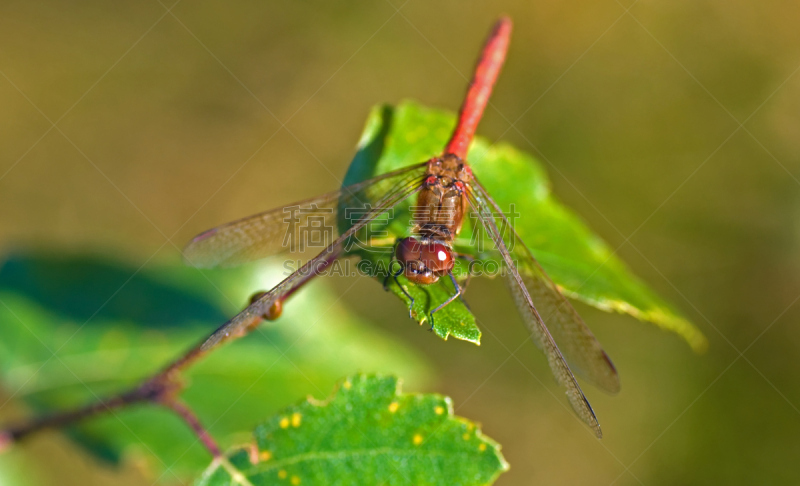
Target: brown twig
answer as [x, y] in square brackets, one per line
[191, 419]
[17, 432]
[162, 389]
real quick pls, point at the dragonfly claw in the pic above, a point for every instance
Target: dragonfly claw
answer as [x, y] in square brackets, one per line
[411, 309]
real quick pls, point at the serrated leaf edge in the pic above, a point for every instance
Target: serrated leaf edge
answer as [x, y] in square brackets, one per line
[237, 476]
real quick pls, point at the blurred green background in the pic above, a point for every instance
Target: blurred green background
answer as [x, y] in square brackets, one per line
[670, 127]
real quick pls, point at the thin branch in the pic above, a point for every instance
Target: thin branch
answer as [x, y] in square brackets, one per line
[161, 389]
[191, 419]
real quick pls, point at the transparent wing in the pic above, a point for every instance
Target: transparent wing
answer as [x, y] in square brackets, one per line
[304, 225]
[581, 349]
[241, 322]
[538, 301]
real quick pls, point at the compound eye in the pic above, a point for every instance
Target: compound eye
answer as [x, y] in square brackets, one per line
[424, 262]
[407, 250]
[437, 257]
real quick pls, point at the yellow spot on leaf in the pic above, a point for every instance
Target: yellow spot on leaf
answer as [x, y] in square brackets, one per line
[284, 422]
[417, 439]
[296, 419]
[393, 407]
[465, 436]
[470, 426]
[295, 480]
[347, 384]
[265, 456]
[439, 410]
[282, 474]
[482, 447]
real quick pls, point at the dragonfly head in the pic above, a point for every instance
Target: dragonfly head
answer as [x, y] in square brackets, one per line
[424, 261]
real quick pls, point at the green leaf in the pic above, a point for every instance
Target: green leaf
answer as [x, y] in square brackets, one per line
[57, 354]
[366, 433]
[453, 319]
[578, 261]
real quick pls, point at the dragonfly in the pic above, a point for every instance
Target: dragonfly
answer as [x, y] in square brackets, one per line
[446, 190]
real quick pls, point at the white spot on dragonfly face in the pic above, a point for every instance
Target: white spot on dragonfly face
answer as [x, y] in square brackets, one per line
[442, 256]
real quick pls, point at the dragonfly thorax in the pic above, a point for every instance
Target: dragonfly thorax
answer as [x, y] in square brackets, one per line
[424, 261]
[442, 202]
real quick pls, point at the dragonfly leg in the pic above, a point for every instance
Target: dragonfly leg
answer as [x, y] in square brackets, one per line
[471, 260]
[394, 275]
[389, 271]
[397, 281]
[451, 299]
[389, 274]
